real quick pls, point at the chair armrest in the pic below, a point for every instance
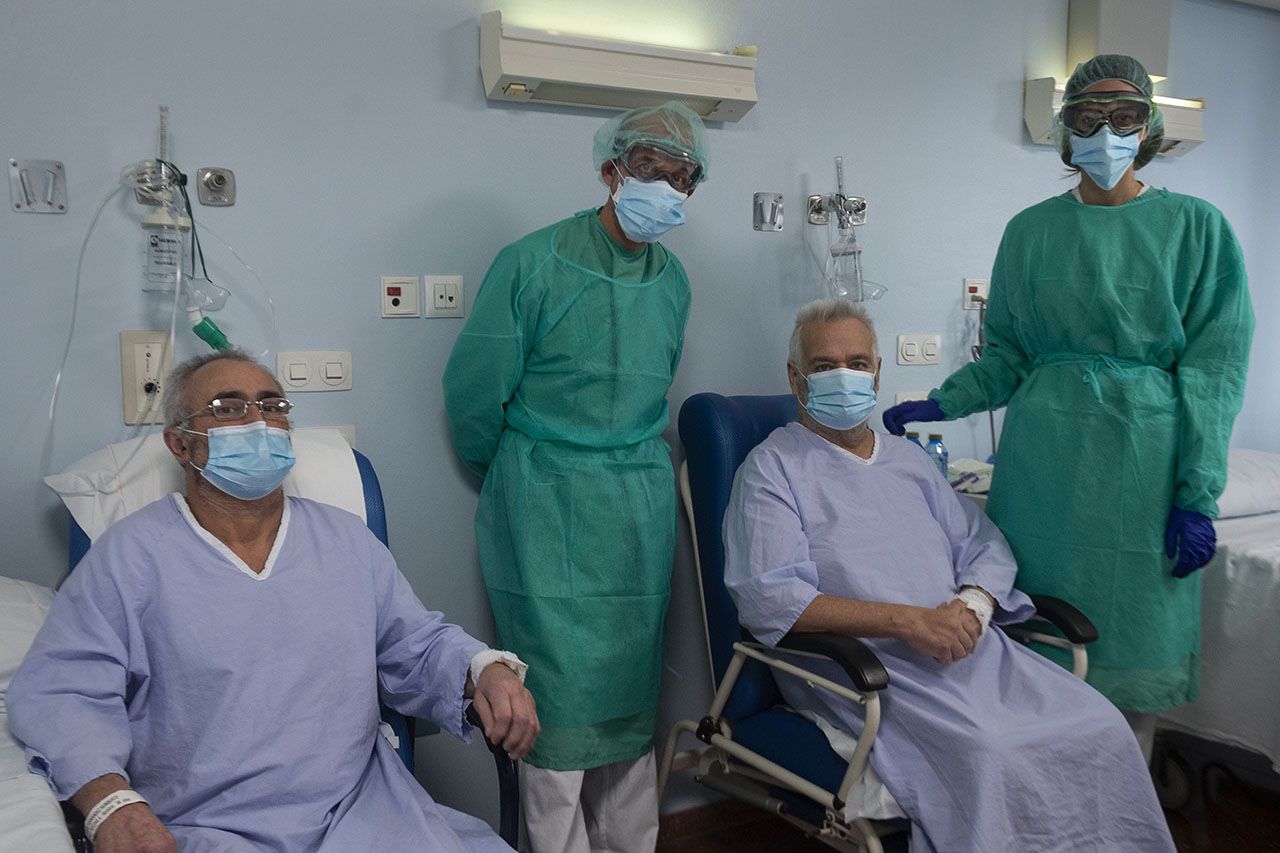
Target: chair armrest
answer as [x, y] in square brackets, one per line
[853, 656]
[1074, 625]
[508, 782]
[473, 717]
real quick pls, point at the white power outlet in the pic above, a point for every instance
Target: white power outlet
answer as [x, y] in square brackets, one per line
[145, 360]
[444, 296]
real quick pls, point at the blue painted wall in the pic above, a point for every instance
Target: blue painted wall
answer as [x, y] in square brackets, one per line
[363, 145]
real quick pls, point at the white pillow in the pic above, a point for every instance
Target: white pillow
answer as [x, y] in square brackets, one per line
[1253, 484]
[97, 495]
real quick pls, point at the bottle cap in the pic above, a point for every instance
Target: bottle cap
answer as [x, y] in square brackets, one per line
[933, 436]
[913, 435]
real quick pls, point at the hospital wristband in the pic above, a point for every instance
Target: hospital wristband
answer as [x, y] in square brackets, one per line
[980, 603]
[108, 806]
[488, 656]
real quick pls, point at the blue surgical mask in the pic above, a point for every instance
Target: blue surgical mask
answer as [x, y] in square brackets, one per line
[247, 461]
[841, 398]
[648, 209]
[1105, 156]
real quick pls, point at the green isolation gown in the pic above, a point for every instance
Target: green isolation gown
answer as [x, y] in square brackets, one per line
[1118, 337]
[556, 394]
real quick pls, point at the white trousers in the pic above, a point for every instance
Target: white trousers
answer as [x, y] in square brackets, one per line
[609, 809]
[1144, 729]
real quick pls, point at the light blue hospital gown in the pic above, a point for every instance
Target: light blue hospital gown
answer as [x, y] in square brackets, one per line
[246, 710]
[999, 751]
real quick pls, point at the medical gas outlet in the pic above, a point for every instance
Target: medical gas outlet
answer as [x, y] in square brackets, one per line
[145, 359]
[919, 349]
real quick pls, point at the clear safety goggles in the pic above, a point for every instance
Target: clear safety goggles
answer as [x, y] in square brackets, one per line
[234, 408]
[1124, 112]
[647, 163]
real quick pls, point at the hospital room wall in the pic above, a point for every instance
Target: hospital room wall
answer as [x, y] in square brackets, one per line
[363, 146]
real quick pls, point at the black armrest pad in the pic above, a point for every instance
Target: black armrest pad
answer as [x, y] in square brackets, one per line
[862, 665]
[1074, 625]
[473, 717]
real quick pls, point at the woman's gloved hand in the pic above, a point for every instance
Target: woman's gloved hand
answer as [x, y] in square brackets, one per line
[1188, 535]
[897, 417]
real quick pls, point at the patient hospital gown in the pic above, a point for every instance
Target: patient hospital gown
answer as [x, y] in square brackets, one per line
[999, 751]
[245, 709]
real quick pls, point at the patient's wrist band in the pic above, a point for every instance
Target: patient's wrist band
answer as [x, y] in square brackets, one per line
[977, 601]
[488, 656]
[108, 806]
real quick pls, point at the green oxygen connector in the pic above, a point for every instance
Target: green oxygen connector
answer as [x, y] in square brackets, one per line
[208, 331]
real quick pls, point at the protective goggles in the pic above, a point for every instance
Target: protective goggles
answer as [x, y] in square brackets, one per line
[233, 408]
[1124, 113]
[679, 170]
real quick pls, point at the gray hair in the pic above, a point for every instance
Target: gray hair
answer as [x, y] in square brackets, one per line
[178, 383]
[826, 311]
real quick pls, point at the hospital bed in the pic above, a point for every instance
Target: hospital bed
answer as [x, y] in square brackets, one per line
[97, 494]
[1235, 724]
[30, 818]
[754, 747]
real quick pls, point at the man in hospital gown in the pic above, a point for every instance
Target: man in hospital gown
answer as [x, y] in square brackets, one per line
[222, 654]
[985, 745]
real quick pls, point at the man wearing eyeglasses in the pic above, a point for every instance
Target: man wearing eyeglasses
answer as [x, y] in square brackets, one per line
[556, 395]
[209, 676]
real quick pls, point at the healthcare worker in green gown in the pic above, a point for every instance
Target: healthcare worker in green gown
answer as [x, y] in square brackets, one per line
[1118, 335]
[556, 396]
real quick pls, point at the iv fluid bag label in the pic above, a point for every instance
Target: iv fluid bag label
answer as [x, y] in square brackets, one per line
[164, 253]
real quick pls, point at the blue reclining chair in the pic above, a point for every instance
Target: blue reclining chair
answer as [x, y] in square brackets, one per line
[755, 748]
[403, 727]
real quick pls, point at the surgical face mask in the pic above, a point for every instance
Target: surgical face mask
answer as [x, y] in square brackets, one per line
[247, 461]
[647, 209]
[1105, 156]
[841, 398]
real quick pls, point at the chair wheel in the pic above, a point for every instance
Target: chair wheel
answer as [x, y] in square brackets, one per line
[1172, 776]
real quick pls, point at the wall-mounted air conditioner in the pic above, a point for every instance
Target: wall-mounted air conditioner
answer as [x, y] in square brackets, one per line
[1183, 118]
[522, 64]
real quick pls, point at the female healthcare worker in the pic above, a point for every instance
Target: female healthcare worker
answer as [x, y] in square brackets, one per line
[1118, 335]
[557, 396]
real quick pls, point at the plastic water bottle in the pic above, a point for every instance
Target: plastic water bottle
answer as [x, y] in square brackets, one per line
[938, 453]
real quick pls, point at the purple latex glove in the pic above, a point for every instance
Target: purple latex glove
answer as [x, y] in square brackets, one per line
[897, 417]
[1189, 535]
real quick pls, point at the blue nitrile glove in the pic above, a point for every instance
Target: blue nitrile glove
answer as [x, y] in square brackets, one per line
[897, 417]
[1189, 535]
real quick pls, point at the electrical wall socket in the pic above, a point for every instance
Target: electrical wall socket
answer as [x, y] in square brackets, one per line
[145, 360]
[445, 296]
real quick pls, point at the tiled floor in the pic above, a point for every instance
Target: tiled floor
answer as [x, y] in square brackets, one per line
[1241, 820]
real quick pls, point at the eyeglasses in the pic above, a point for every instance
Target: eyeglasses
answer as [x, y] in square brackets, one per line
[650, 164]
[233, 408]
[1125, 117]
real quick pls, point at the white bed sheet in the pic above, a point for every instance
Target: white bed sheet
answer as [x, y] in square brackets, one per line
[1240, 641]
[30, 817]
